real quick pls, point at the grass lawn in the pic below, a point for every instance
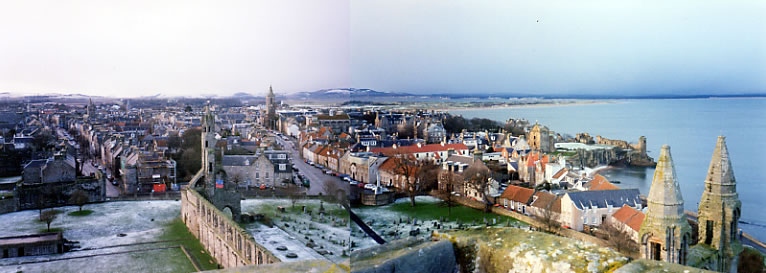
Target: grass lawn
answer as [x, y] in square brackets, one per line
[80, 213]
[176, 230]
[434, 210]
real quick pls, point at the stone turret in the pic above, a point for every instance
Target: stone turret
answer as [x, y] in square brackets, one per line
[720, 210]
[271, 112]
[665, 233]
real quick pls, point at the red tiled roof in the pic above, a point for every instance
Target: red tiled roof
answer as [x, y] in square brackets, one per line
[599, 182]
[543, 200]
[630, 217]
[518, 194]
[390, 165]
[560, 173]
[422, 149]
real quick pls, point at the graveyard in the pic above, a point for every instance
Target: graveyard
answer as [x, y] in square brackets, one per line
[308, 229]
[399, 220]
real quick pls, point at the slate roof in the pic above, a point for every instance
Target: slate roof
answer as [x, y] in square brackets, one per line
[237, 160]
[615, 198]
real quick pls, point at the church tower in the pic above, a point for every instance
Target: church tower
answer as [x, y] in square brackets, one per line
[271, 112]
[720, 210]
[208, 149]
[91, 109]
[665, 233]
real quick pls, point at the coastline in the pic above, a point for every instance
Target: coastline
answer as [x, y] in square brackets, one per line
[520, 106]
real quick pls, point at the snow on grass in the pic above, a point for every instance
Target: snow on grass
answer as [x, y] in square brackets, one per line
[139, 221]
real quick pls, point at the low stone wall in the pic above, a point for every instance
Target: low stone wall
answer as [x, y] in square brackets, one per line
[9, 204]
[225, 240]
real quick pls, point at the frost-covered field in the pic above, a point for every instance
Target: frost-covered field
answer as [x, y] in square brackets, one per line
[139, 222]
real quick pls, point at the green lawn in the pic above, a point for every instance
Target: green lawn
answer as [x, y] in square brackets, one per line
[434, 210]
[80, 213]
[176, 230]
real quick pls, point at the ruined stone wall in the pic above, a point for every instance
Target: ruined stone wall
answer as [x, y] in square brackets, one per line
[228, 243]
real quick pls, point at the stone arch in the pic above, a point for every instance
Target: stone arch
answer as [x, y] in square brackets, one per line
[227, 211]
[645, 244]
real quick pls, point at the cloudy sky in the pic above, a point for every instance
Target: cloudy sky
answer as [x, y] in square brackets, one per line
[553, 47]
[560, 47]
[136, 48]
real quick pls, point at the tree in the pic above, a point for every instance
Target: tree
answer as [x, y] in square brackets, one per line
[449, 183]
[334, 192]
[406, 167]
[188, 108]
[549, 219]
[48, 216]
[619, 238]
[480, 176]
[293, 193]
[79, 198]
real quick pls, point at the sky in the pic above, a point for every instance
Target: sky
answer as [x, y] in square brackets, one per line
[551, 47]
[545, 47]
[143, 48]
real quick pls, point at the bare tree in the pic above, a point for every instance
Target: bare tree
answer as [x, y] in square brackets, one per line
[406, 167]
[293, 193]
[79, 198]
[48, 216]
[479, 176]
[449, 183]
[334, 192]
[619, 238]
[550, 220]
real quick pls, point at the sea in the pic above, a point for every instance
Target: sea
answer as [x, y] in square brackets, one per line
[689, 126]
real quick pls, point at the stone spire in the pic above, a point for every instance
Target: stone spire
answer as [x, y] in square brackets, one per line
[665, 234]
[720, 176]
[720, 209]
[665, 192]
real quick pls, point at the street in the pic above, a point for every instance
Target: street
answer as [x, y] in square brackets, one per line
[315, 175]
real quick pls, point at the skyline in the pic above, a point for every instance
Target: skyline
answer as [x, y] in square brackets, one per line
[587, 49]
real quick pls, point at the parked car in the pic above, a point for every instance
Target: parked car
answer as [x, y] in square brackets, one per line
[370, 186]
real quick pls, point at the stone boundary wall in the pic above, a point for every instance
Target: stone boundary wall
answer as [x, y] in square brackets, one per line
[224, 239]
[9, 204]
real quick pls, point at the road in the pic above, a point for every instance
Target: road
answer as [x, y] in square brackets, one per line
[88, 168]
[315, 175]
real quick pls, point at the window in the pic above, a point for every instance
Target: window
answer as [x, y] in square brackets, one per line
[266, 175]
[282, 167]
[709, 232]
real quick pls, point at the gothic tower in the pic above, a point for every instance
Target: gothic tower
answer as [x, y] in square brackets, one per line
[665, 233]
[91, 109]
[219, 190]
[271, 113]
[208, 149]
[719, 210]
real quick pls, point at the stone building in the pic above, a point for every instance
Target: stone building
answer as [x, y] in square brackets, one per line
[665, 234]
[718, 245]
[56, 169]
[269, 119]
[540, 139]
[32, 245]
[270, 168]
